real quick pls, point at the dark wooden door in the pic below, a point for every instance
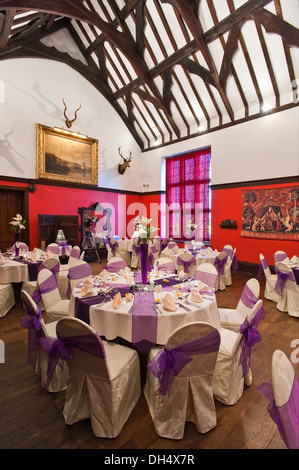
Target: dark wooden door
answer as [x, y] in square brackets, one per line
[50, 224]
[11, 203]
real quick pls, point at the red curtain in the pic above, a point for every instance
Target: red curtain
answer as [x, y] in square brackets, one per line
[188, 193]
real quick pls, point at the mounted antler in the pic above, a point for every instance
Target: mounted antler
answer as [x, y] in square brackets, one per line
[67, 120]
[126, 162]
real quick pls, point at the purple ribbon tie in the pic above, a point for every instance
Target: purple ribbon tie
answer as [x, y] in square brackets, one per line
[281, 280]
[77, 272]
[250, 336]
[31, 321]
[186, 264]
[60, 350]
[47, 286]
[248, 298]
[219, 264]
[168, 363]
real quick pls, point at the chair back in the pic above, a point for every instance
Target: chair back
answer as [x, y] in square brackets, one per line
[115, 264]
[207, 273]
[48, 289]
[80, 272]
[22, 246]
[172, 245]
[279, 256]
[165, 264]
[90, 359]
[220, 261]
[186, 262]
[286, 278]
[33, 310]
[54, 248]
[53, 264]
[249, 296]
[265, 266]
[228, 249]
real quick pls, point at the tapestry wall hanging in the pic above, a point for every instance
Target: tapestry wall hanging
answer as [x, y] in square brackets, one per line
[271, 213]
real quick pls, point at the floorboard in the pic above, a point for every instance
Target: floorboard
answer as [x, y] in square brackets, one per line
[31, 418]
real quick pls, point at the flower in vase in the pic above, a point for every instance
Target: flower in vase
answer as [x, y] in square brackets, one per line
[191, 225]
[145, 231]
[17, 223]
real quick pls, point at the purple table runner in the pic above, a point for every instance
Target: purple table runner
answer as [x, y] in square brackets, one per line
[144, 322]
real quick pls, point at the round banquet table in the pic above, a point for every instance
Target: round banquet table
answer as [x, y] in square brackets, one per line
[113, 323]
[202, 256]
[12, 271]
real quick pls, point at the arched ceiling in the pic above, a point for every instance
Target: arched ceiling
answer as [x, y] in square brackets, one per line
[172, 69]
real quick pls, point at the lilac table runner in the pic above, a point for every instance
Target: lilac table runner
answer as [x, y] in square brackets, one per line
[144, 322]
[33, 268]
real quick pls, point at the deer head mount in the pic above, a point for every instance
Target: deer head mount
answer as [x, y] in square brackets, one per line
[67, 120]
[126, 162]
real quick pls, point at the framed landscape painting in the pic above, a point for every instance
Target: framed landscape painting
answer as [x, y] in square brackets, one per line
[66, 156]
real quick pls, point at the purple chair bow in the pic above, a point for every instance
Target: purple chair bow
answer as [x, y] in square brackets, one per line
[250, 336]
[113, 246]
[31, 321]
[136, 248]
[219, 264]
[186, 263]
[47, 286]
[248, 298]
[281, 280]
[262, 268]
[77, 272]
[60, 350]
[286, 416]
[168, 363]
[166, 267]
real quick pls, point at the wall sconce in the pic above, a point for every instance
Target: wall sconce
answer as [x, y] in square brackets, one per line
[32, 187]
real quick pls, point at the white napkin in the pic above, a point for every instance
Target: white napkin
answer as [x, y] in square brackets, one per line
[33, 257]
[86, 291]
[294, 259]
[104, 274]
[49, 255]
[195, 296]
[167, 251]
[88, 282]
[168, 303]
[202, 287]
[182, 275]
[116, 301]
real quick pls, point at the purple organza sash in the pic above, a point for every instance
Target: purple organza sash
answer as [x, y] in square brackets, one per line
[113, 246]
[286, 416]
[22, 246]
[229, 252]
[281, 280]
[54, 270]
[279, 257]
[250, 336]
[208, 278]
[219, 264]
[54, 249]
[167, 267]
[47, 286]
[248, 298]
[60, 350]
[64, 248]
[235, 264]
[136, 248]
[31, 321]
[144, 322]
[262, 268]
[168, 363]
[116, 266]
[154, 249]
[75, 253]
[186, 264]
[77, 272]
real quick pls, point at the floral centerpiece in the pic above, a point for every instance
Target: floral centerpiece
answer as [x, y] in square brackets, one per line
[18, 223]
[191, 225]
[144, 237]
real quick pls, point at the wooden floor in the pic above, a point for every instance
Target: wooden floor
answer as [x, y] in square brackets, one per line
[31, 418]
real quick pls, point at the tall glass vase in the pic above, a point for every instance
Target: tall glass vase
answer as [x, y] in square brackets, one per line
[17, 243]
[143, 262]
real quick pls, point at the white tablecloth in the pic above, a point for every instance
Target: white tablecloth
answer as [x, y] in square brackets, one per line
[118, 323]
[203, 256]
[13, 271]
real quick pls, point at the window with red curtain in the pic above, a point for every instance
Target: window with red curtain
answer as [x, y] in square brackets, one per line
[188, 194]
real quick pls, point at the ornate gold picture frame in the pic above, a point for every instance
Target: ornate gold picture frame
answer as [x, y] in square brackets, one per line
[63, 155]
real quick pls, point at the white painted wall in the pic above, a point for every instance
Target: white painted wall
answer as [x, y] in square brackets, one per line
[32, 92]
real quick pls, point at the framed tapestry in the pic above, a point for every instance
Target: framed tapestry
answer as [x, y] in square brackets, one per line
[66, 156]
[271, 213]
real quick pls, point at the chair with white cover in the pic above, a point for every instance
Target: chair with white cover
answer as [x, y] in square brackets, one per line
[22, 247]
[270, 282]
[207, 273]
[232, 318]
[30, 286]
[186, 262]
[287, 289]
[231, 265]
[135, 258]
[104, 379]
[115, 264]
[164, 264]
[54, 248]
[220, 263]
[79, 273]
[279, 256]
[179, 390]
[283, 394]
[172, 245]
[48, 291]
[113, 250]
[232, 368]
[154, 249]
[37, 357]
[74, 259]
[7, 299]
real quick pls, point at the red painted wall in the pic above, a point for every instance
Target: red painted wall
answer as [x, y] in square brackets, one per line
[227, 204]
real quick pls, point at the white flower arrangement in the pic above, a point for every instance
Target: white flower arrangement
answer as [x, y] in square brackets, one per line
[18, 223]
[191, 225]
[144, 230]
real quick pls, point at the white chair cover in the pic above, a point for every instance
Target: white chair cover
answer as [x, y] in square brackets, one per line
[222, 269]
[289, 300]
[55, 306]
[37, 356]
[54, 248]
[135, 258]
[271, 279]
[7, 299]
[81, 272]
[232, 318]
[186, 262]
[73, 258]
[103, 389]
[229, 376]
[164, 264]
[113, 250]
[228, 266]
[283, 394]
[22, 246]
[279, 256]
[190, 397]
[115, 264]
[207, 273]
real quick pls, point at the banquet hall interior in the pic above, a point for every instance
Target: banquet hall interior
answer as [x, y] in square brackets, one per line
[149, 204]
